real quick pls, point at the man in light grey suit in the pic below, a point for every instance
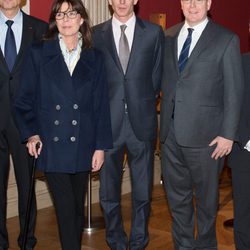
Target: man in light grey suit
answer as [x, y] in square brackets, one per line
[134, 69]
[202, 91]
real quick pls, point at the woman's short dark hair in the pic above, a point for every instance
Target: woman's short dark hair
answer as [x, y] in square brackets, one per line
[84, 29]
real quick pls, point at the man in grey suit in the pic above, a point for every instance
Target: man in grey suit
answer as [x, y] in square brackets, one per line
[134, 69]
[202, 90]
[24, 30]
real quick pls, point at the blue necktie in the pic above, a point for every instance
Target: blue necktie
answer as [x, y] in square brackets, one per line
[185, 50]
[10, 46]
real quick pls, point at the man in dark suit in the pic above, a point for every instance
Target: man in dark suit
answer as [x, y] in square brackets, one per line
[202, 89]
[134, 69]
[239, 161]
[25, 29]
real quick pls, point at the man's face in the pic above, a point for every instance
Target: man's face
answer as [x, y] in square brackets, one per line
[195, 11]
[123, 9]
[8, 5]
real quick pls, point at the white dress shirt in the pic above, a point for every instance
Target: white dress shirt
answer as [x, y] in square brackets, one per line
[17, 28]
[198, 29]
[129, 31]
[72, 57]
[247, 146]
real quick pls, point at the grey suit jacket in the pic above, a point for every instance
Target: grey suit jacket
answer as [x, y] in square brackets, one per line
[206, 96]
[33, 29]
[140, 86]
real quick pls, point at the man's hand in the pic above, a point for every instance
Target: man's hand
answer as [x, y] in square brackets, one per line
[31, 145]
[224, 147]
[97, 160]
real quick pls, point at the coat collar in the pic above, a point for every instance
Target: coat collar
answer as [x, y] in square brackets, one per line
[55, 68]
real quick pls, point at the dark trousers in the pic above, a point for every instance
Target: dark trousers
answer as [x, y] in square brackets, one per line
[140, 160]
[241, 196]
[189, 173]
[68, 192]
[10, 144]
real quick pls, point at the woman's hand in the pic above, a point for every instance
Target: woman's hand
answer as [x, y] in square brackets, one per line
[97, 160]
[32, 145]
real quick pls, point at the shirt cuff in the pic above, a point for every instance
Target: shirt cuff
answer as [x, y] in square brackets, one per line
[247, 146]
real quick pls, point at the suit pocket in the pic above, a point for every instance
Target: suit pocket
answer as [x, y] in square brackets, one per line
[207, 71]
[209, 105]
[210, 110]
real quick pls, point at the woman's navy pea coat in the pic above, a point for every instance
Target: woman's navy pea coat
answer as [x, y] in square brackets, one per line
[70, 113]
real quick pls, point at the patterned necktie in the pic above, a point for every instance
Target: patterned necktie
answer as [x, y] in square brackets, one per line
[123, 49]
[185, 50]
[10, 46]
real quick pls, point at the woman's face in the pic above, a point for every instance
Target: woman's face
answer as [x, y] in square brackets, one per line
[68, 21]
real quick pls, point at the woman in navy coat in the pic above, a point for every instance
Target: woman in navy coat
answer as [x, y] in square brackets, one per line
[63, 103]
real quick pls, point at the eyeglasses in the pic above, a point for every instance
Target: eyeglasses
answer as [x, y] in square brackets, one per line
[195, 1]
[70, 14]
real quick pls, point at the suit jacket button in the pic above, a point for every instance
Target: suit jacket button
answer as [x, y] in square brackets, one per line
[56, 139]
[58, 107]
[72, 138]
[56, 122]
[74, 122]
[75, 106]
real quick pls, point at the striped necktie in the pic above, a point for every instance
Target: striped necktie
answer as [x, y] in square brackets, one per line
[185, 50]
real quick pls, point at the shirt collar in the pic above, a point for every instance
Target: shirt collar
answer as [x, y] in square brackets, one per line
[197, 28]
[131, 21]
[17, 18]
[64, 47]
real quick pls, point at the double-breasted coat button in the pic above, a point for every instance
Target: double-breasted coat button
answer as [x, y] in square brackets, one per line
[75, 106]
[72, 138]
[58, 107]
[56, 139]
[74, 122]
[56, 122]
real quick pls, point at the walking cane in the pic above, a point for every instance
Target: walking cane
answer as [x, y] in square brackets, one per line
[29, 203]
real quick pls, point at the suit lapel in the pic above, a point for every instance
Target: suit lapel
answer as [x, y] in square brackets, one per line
[205, 38]
[109, 41]
[3, 62]
[138, 36]
[171, 47]
[27, 38]
[175, 50]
